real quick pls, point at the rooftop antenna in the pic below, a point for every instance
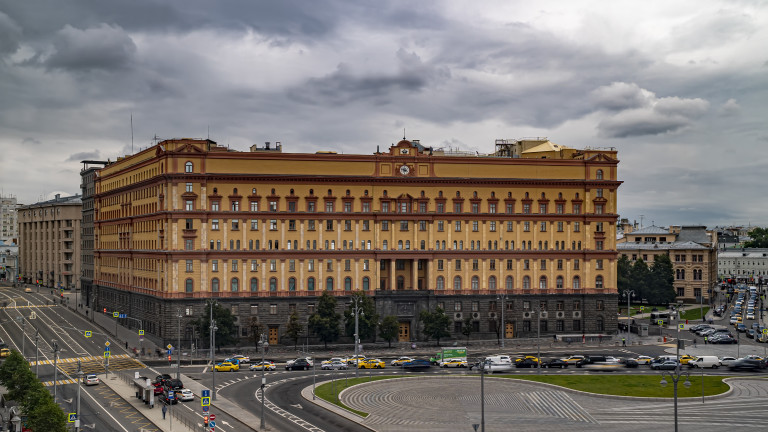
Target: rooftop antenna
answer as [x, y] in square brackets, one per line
[403, 133]
[641, 220]
[209, 132]
[131, 131]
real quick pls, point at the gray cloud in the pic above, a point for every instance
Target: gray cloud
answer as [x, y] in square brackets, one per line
[102, 47]
[10, 34]
[620, 96]
[88, 155]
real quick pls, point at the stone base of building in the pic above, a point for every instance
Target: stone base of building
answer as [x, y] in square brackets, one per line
[560, 313]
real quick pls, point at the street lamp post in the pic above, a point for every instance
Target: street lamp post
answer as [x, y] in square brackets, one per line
[55, 368]
[675, 377]
[79, 384]
[264, 344]
[178, 354]
[503, 298]
[628, 294]
[482, 395]
[37, 353]
[357, 310]
[213, 344]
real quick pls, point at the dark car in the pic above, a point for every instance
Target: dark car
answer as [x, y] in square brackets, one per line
[723, 339]
[527, 363]
[630, 363]
[299, 364]
[161, 379]
[555, 363]
[173, 384]
[165, 399]
[747, 364]
[417, 364]
[741, 327]
[590, 360]
[751, 333]
[699, 327]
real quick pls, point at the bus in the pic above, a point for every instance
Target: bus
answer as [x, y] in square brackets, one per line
[660, 316]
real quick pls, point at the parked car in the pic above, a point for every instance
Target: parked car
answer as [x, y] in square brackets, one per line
[227, 367]
[185, 395]
[5, 352]
[747, 364]
[266, 365]
[90, 380]
[666, 365]
[299, 364]
[336, 365]
[417, 364]
[554, 363]
[400, 361]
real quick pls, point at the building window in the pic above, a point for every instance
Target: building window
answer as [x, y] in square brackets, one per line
[509, 283]
[526, 282]
[559, 282]
[600, 324]
[457, 306]
[189, 266]
[543, 282]
[366, 283]
[599, 282]
[189, 205]
[576, 226]
[329, 284]
[526, 226]
[214, 206]
[457, 283]
[403, 225]
[234, 284]
[600, 305]
[189, 285]
[440, 208]
[366, 207]
[385, 225]
[215, 285]
[254, 284]
[458, 264]
[311, 284]
[475, 283]
[599, 174]
[576, 282]
[543, 264]
[492, 283]
[599, 264]
[189, 244]
[576, 264]
[457, 226]
[188, 167]
[526, 264]
[526, 209]
[440, 283]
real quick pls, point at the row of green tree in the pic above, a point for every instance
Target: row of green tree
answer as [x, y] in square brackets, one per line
[652, 285]
[36, 402]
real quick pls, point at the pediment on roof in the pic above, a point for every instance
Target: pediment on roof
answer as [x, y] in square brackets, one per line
[602, 157]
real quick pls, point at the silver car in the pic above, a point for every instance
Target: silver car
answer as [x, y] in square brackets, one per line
[335, 365]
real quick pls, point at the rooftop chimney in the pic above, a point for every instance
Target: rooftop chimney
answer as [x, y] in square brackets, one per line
[266, 145]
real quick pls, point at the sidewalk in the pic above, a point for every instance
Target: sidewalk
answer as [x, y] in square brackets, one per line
[153, 415]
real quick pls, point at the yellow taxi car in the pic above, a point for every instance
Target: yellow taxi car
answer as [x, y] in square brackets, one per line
[371, 364]
[684, 359]
[351, 359]
[536, 359]
[399, 362]
[572, 360]
[227, 367]
[455, 363]
[5, 352]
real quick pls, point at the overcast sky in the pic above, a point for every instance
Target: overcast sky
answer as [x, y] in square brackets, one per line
[680, 88]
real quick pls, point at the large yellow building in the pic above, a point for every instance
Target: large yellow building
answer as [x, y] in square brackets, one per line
[265, 232]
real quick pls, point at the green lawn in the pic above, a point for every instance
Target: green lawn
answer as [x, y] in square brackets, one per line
[609, 384]
[635, 309]
[632, 385]
[694, 314]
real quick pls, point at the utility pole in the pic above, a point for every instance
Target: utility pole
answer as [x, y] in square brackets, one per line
[503, 298]
[79, 384]
[357, 311]
[213, 345]
[629, 294]
[23, 338]
[178, 354]
[55, 369]
[37, 353]
[264, 344]
[538, 337]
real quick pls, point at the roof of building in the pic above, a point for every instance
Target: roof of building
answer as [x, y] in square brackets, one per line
[743, 253]
[696, 234]
[651, 229]
[547, 146]
[59, 200]
[659, 246]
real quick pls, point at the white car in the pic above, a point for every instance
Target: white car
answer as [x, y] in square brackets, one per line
[267, 365]
[185, 395]
[290, 362]
[644, 359]
[727, 361]
[90, 380]
[242, 358]
[332, 360]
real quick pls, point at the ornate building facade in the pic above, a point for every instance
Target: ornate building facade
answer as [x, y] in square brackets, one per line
[266, 232]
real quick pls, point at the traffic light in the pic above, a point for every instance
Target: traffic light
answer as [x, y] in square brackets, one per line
[205, 420]
[105, 310]
[169, 358]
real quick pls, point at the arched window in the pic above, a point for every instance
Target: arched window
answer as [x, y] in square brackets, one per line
[254, 284]
[311, 284]
[599, 282]
[189, 285]
[366, 283]
[291, 284]
[576, 282]
[347, 283]
[510, 283]
[526, 282]
[215, 285]
[543, 282]
[188, 167]
[273, 284]
[457, 283]
[599, 174]
[329, 284]
[492, 283]
[234, 284]
[399, 245]
[475, 283]
[440, 283]
[559, 282]
[407, 245]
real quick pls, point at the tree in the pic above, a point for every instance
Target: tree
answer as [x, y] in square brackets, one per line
[435, 324]
[325, 322]
[389, 328]
[226, 332]
[367, 320]
[293, 329]
[466, 329]
[661, 281]
[623, 274]
[639, 278]
[759, 238]
[256, 330]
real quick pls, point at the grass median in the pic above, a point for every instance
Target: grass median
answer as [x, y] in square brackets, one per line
[609, 384]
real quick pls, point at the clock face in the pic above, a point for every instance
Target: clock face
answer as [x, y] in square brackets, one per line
[404, 170]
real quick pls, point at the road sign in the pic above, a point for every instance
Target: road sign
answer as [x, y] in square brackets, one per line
[205, 401]
[213, 417]
[765, 331]
[660, 322]
[107, 349]
[170, 395]
[642, 308]
[141, 332]
[681, 326]
[106, 343]
[72, 417]
[205, 408]
[122, 316]
[206, 393]
[169, 346]
[211, 423]
[88, 333]
[106, 354]
[115, 314]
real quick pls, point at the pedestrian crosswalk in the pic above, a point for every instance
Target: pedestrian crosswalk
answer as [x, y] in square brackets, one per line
[26, 306]
[93, 364]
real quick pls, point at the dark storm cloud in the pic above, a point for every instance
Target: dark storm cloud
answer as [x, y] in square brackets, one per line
[102, 47]
[619, 96]
[10, 33]
[88, 155]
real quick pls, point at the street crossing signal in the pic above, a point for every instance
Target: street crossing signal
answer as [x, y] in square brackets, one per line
[105, 310]
[205, 421]
[169, 358]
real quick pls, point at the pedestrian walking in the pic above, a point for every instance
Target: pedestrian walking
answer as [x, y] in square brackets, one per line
[165, 410]
[623, 342]
[705, 340]
[694, 342]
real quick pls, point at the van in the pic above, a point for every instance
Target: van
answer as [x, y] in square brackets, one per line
[499, 359]
[705, 362]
